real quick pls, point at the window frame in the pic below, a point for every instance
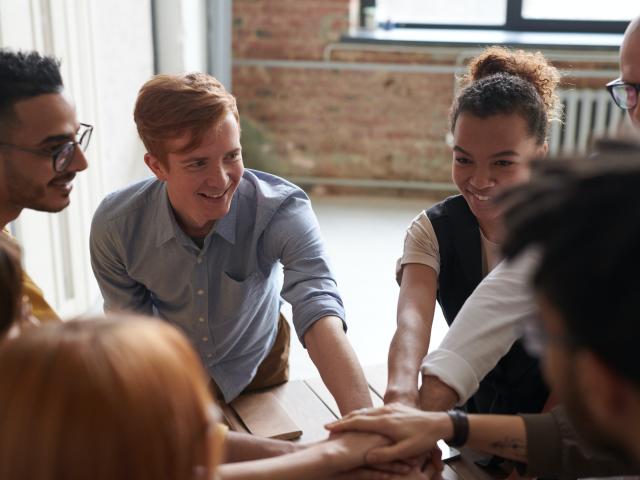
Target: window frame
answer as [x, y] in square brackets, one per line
[516, 23]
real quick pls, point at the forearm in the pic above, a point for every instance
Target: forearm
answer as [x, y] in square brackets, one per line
[501, 435]
[416, 304]
[320, 460]
[240, 447]
[415, 431]
[435, 395]
[308, 463]
[408, 347]
[338, 365]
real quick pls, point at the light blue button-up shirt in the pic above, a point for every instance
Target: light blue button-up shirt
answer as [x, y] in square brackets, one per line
[225, 296]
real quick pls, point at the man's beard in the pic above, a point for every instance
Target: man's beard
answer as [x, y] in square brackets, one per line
[595, 435]
[25, 194]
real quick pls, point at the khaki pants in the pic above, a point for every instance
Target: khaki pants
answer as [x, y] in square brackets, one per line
[274, 369]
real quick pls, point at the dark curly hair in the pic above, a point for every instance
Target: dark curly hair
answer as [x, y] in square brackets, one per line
[24, 75]
[503, 81]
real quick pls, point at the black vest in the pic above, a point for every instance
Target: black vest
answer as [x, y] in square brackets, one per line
[515, 385]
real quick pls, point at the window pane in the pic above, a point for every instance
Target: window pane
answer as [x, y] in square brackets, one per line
[464, 12]
[611, 10]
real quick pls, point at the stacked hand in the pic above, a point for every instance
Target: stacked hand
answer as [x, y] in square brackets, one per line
[413, 431]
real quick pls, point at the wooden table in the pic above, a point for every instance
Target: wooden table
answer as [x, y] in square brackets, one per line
[311, 406]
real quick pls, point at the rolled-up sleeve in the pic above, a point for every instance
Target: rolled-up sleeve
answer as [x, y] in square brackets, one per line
[486, 327]
[293, 236]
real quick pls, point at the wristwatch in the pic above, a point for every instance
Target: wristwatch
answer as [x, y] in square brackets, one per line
[460, 428]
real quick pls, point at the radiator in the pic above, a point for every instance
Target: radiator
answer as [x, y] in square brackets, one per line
[588, 114]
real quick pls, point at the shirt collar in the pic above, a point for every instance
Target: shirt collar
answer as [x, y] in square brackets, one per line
[165, 222]
[168, 227]
[226, 226]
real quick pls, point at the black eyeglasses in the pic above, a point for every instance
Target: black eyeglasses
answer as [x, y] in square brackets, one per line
[625, 94]
[63, 154]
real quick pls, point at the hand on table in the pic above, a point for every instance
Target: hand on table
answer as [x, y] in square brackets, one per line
[413, 431]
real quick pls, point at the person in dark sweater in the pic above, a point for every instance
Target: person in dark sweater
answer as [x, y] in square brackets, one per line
[499, 123]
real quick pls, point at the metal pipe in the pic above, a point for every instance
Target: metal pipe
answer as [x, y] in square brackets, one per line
[374, 183]
[392, 67]
[367, 47]
[457, 52]
[322, 65]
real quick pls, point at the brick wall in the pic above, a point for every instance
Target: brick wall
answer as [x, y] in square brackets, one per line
[347, 118]
[288, 29]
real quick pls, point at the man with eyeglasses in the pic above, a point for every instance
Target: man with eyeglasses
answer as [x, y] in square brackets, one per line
[626, 89]
[42, 145]
[585, 287]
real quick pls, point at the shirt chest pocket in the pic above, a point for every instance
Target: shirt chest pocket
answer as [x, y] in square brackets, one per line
[238, 296]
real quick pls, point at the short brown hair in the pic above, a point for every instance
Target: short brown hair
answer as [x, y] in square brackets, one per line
[113, 398]
[10, 283]
[169, 106]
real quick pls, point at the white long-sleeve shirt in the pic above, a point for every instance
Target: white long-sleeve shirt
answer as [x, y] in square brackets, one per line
[486, 327]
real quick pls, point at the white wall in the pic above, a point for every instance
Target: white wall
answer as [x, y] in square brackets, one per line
[181, 35]
[124, 61]
[194, 35]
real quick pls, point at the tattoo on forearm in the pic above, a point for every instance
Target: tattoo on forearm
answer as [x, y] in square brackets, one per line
[509, 447]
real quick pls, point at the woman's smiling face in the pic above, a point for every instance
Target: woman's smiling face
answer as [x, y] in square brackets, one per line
[489, 155]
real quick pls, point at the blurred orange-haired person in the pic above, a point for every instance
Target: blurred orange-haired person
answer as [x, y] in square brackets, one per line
[126, 398]
[105, 399]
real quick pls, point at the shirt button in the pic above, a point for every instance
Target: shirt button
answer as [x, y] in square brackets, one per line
[199, 260]
[200, 292]
[201, 319]
[205, 339]
[209, 355]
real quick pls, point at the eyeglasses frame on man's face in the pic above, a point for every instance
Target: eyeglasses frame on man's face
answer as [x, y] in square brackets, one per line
[611, 86]
[61, 156]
